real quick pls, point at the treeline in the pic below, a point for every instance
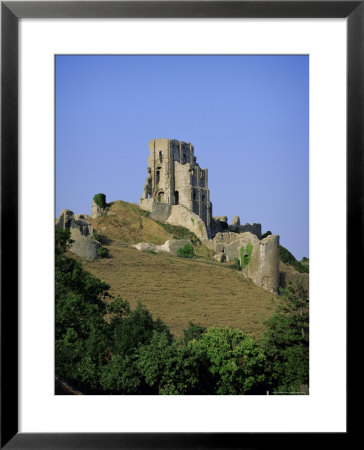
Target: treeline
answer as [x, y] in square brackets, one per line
[106, 348]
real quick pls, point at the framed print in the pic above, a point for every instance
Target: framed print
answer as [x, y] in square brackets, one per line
[41, 41]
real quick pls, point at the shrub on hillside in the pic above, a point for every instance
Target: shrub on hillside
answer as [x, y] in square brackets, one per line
[287, 257]
[102, 252]
[100, 200]
[186, 251]
[305, 262]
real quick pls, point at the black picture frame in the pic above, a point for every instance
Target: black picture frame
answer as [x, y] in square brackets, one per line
[11, 12]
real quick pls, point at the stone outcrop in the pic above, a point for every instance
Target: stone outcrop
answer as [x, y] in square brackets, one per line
[170, 246]
[83, 245]
[236, 220]
[147, 247]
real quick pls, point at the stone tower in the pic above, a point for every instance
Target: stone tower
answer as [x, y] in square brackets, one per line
[175, 178]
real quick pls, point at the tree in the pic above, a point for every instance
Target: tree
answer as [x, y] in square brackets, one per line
[236, 362]
[193, 331]
[62, 241]
[286, 339]
[121, 375]
[168, 368]
[136, 329]
[82, 335]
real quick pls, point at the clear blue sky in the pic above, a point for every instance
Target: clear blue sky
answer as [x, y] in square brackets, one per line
[247, 117]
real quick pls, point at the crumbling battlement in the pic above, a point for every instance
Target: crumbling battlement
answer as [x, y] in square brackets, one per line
[220, 224]
[254, 228]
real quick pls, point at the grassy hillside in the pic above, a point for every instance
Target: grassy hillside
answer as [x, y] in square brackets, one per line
[179, 290]
[126, 222]
[175, 289]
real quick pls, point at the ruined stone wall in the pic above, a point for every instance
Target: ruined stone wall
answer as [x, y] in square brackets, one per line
[260, 258]
[83, 245]
[161, 172]
[221, 240]
[183, 184]
[161, 211]
[147, 204]
[96, 210]
[261, 263]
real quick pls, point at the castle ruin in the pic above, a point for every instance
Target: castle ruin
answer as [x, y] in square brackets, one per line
[175, 178]
[176, 192]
